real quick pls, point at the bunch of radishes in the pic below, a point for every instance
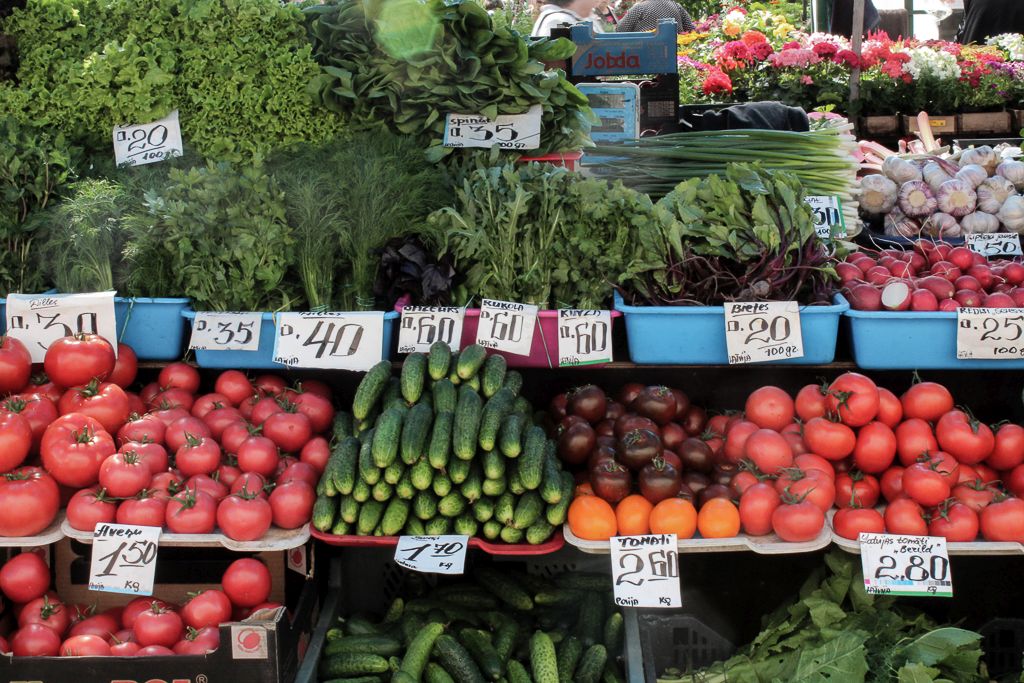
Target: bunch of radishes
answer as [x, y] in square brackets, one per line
[933, 276]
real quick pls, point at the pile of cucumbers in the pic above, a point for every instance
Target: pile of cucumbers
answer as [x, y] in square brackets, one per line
[447, 447]
[497, 626]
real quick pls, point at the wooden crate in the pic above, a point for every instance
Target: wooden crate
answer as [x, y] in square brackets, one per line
[880, 125]
[941, 125]
[986, 123]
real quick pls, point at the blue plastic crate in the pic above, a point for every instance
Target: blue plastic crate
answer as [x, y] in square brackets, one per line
[911, 340]
[695, 335]
[153, 328]
[263, 359]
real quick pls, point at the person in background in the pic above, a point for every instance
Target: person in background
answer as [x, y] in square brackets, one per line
[644, 16]
[986, 18]
[564, 12]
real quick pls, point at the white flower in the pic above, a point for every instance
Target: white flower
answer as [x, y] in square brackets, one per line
[1012, 43]
[924, 61]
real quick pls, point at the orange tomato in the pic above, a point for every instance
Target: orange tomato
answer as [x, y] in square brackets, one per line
[584, 489]
[633, 514]
[718, 518]
[674, 516]
[592, 518]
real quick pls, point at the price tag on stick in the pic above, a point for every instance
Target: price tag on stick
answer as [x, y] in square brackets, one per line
[763, 330]
[989, 333]
[421, 326]
[123, 558]
[148, 143]
[905, 565]
[509, 131]
[226, 332]
[994, 244]
[828, 216]
[506, 326]
[336, 341]
[584, 337]
[38, 320]
[432, 554]
[645, 570]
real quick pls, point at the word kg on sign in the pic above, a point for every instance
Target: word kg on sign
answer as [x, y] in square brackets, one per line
[645, 570]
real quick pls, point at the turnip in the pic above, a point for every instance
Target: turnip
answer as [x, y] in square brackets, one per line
[878, 275]
[998, 300]
[923, 300]
[948, 305]
[947, 270]
[983, 274]
[848, 272]
[939, 287]
[961, 257]
[968, 298]
[864, 297]
[967, 282]
[896, 296]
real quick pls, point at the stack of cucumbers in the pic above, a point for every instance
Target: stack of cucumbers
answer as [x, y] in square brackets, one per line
[449, 446]
[499, 626]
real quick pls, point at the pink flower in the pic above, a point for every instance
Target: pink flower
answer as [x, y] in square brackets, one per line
[791, 45]
[806, 80]
[800, 57]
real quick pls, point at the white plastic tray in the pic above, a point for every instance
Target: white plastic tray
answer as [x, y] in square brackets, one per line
[763, 545]
[50, 534]
[275, 539]
[953, 548]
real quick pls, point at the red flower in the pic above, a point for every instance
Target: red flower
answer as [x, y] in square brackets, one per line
[825, 50]
[847, 57]
[716, 82]
[791, 45]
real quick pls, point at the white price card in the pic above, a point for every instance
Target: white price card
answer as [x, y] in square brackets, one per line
[421, 326]
[989, 333]
[432, 554]
[508, 131]
[994, 244]
[763, 330]
[226, 331]
[335, 341]
[828, 216]
[905, 565]
[506, 326]
[123, 558]
[148, 143]
[645, 570]
[38, 320]
[584, 337]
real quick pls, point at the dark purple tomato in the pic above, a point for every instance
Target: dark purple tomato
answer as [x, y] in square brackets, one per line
[589, 402]
[659, 480]
[599, 455]
[686, 493]
[576, 443]
[724, 472]
[605, 428]
[611, 481]
[682, 403]
[631, 421]
[696, 455]
[614, 410]
[656, 403]
[638, 447]
[628, 394]
[558, 406]
[672, 435]
[713, 491]
[694, 420]
[696, 481]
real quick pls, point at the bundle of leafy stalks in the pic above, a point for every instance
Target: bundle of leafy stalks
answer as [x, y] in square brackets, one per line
[838, 633]
[747, 236]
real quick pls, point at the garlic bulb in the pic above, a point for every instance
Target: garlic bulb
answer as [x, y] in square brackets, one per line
[941, 224]
[993, 192]
[900, 170]
[877, 194]
[1014, 172]
[916, 199]
[956, 197]
[978, 222]
[972, 173]
[1011, 214]
[983, 156]
[934, 174]
[898, 225]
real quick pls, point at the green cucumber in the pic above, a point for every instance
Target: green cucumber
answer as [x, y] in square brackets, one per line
[539, 532]
[368, 470]
[439, 526]
[569, 652]
[418, 652]
[369, 517]
[370, 389]
[493, 487]
[517, 673]
[451, 505]
[323, 513]
[493, 375]
[348, 509]
[505, 508]
[478, 644]
[465, 524]
[613, 629]
[557, 513]
[341, 426]
[493, 464]
[543, 660]
[470, 488]
[531, 462]
[404, 488]
[513, 382]
[341, 527]
[424, 505]
[414, 527]
[394, 472]
[528, 510]
[414, 372]
[458, 470]
[386, 438]
[445, 395]
[352, 664]
[438, 358]
[511, 535]
[483, 509]
[361, 491]
[510, 435]
[456, 660]
[441, 440]
[345, 469]
[503, 588]
[395, 515]
[495, 410]
[492, 529]
[415, 431]
[467, 423]
[422, 474]
[382, 491]
[591, 664]
[471, 359]
[551, 476]
[385, 646]
[441, 486]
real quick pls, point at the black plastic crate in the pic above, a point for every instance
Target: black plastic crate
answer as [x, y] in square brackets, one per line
[658, 640]
[1003, 645]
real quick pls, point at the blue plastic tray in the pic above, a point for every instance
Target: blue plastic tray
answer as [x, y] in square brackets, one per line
[911, 340]
[695, 335]
[264, 357]
[153, 328]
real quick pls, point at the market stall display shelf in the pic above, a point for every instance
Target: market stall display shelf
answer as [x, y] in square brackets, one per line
[274, 540]
[763, 545]
[952, 547]
[50, 534]
[154, 328]
[551, 545]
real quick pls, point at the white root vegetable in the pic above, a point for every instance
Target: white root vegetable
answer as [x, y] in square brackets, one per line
[1011, 214]
[983, 156]
[934, 174]
[993, 192]
[898, 225]
[1014, 172]
[979, 222]
[916, 199]
[956, 197]
[900, 170]
[972, 173]
[877, 194]
[940, 224]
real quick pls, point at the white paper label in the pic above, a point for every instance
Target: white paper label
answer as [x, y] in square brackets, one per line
[124, 558]
[506, 326]
[989, 333]
[226, 331]
[905, 565]
[508, 131]
[994, 244]
[828, 216]
[645, 570]
[584, 337]
[336, 341]
[421, 326]
[148, 143]
[38, 320]
[432, 554]
[763, 330]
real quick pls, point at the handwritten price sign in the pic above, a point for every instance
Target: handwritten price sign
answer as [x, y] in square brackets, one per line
[994, 244]
[226, 332]
[510, 131]
[645, 570]
[584, 337]
[828, 216]
[421, 326]
[148, 143]
[432, 554]
[38, 320]
[506, 326]
[989, 333]
[336, 341]
[124, 558]
[763, 330]
[905, 565]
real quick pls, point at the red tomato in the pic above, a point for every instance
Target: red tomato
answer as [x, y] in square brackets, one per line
[831, 440]
[890, 410]
[102, 625]
[15, 365]
[198, 455]
[106, 403]
[29, 499]
[124, 649]
[35, 640]
[290, 431]
[736, 439]
[15, 440]
[166, 484]
[757, 504]
[1003, 520]
[891, 483]
[37, 409]
[207, 484]
[247, 406]
[221, 418]
[315, 453]
[1014, 481]
[39, 385]
[812, 485]
[154, 455]
[925, 485]
[770, 408]
[300, 471]
[136, 607]
[247, 582]
[149, 392]
[810, 461]
[927, 401]
[244, 517]
[315, 407]
[856, 489]
[125, 367]
[199, 642]
[79, 359]
[904, 516]
[158, 626]
[794, 436]
[798, 522]
[207, 403]
[250, 483]
[854, 398]
[154, 651]
[178, 432]
[236, 433]
[264, 408]
[852, 522]
[206, 608]
[258, 454]
[89, 507]
[811, 401]
[965, 438]
[954, 522]
[292, 504]
[47, 612]
[914, 437]
[226, 474]
[876, 448]
[1008, 451]
[73, 448]
[125, 474]
[172, 398]
[147, 510]
[272, 385]
[767, 449]
[191, 512]
[314, 386]
[179, 376]
[143, 429]
[24, 577]
[742, 481]
[944, 464]
[234, 385]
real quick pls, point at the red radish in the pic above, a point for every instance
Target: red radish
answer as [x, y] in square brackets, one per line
[864, 297]
[947, 270]
[961, 257]
[901, 269]
[949, 305]
[848, 272]
[968, 298]
[896, 296]
[1018, 296]
[967, 282]
[1014, 273]
[1003, 287]
[984, 276]
[942, 251]
[923, 300]
[917, 261]
[893, 253]
[998, 300]
[979, 259]
[865, 264]
[877, 275]
[940, 287]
